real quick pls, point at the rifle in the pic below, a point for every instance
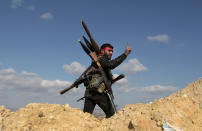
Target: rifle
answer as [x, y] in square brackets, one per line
[80, 80]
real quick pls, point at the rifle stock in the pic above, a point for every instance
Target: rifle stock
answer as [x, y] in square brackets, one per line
[75, 84]
[67, 89]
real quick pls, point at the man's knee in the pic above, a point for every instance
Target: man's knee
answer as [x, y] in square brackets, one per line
[88, 106]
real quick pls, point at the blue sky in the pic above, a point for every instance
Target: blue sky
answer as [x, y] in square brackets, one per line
[40, 55]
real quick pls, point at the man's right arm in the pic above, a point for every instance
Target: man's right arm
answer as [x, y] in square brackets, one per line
[111, 64]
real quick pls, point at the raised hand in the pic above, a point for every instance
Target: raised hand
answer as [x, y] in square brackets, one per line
[128, 50]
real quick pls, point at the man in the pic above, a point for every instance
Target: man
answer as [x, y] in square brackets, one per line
[95, 88]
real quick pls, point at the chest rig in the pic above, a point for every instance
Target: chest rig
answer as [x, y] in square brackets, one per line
[94, 80]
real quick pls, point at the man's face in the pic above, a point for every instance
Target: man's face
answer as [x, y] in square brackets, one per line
[108, 52]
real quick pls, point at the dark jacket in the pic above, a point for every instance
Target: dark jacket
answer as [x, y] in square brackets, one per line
[107, 66]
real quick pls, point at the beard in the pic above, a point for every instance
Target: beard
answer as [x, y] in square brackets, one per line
[108, 56]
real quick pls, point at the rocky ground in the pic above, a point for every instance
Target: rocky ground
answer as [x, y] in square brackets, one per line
[182, 111]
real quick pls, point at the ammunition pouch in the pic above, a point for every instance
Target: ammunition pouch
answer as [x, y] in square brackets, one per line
[95, 82]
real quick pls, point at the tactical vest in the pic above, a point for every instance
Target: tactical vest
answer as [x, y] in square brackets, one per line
[94, 80]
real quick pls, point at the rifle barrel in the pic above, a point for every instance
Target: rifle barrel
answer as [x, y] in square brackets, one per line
[67, 89]
[118, 78]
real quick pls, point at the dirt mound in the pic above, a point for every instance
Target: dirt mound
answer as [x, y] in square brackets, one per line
[193, 90]
[181, 110]
[36, 116]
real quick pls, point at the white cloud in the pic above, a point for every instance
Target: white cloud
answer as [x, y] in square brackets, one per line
[76, 90]
[122, 81]
[16, 3]
[24, 73]
[161, 38]
[148, 89]
[47, 16]
[10, 79]
[75, 68]
[132, 66]
[125, 89]
[159, 88]
[20, 4]
[54, 83]
[7, 71]
[122, 84]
